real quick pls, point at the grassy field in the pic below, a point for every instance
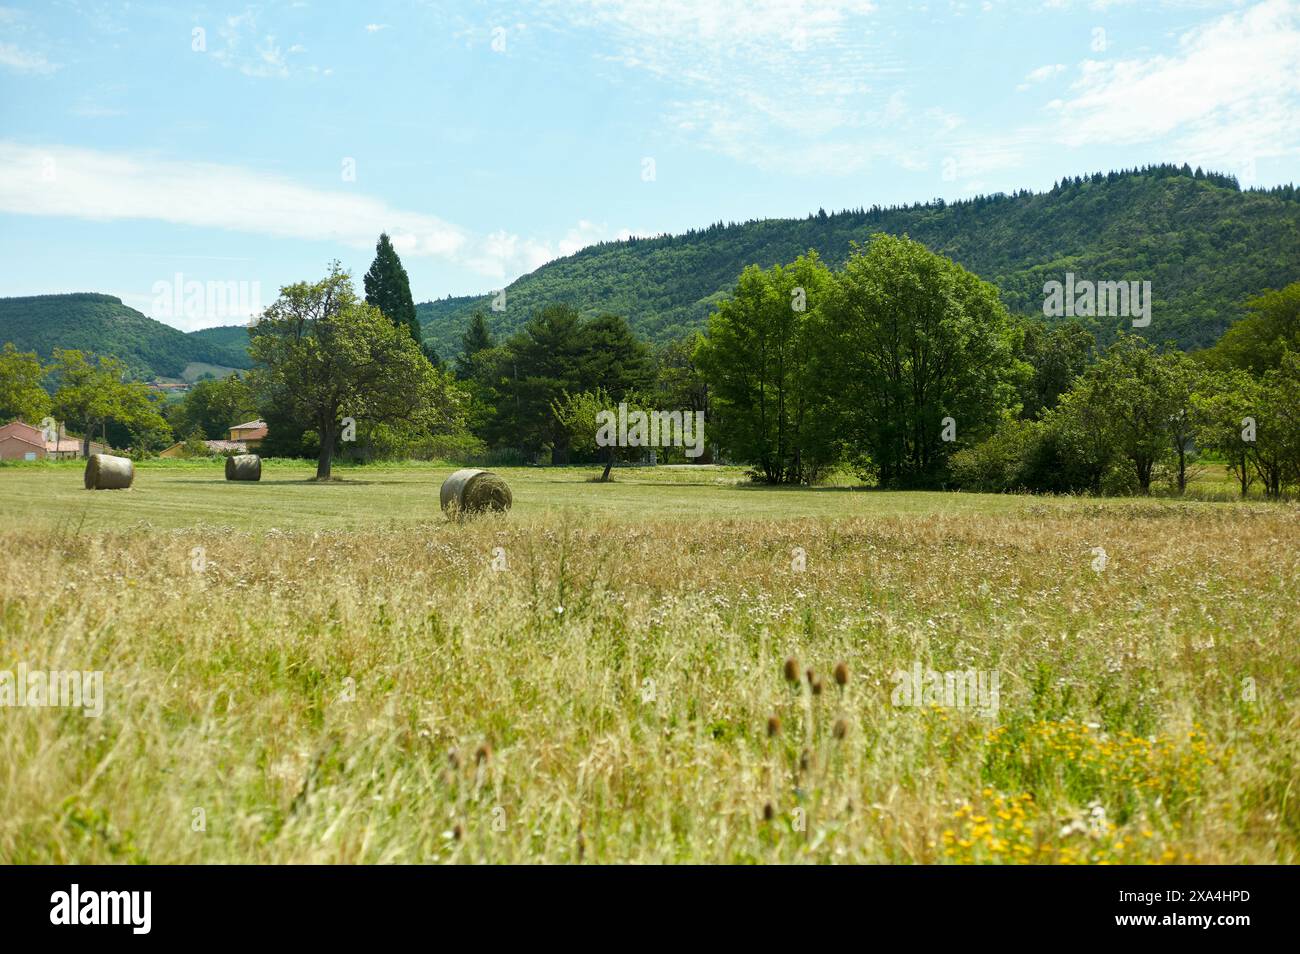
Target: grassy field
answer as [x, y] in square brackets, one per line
[302, 672]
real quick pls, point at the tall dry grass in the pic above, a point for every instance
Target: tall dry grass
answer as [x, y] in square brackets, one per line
[616, 693]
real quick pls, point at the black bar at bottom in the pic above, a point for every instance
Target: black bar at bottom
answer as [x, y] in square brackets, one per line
[332, 904]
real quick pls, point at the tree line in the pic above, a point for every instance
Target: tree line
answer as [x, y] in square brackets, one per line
[900, 367]
[907, 369]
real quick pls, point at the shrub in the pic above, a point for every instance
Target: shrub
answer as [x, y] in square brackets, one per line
[1000, 463]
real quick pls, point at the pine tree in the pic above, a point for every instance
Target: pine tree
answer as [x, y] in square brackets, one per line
[389, 289]
[477, 338]
[615, 359]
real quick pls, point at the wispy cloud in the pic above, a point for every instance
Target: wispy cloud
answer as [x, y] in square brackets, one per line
[19, 60]
[805, 87]
[1229, 92]
[105, 186]
[1041, 74]
[784, 84]
[249, 50]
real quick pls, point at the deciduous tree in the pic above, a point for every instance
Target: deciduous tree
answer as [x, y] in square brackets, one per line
[322, 354]
[21, 395]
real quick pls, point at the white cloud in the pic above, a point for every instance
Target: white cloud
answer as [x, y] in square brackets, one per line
[24, 61]
[1041, 74]
[104, 186]
[504, 255]
[249, 51]
[376, 27]
[784, 84]
[832, 95]
[1229, 91]
[1225, 99]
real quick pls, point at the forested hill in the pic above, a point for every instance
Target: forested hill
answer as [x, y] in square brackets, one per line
[1204, 245]
[227, 343]
[103, 325]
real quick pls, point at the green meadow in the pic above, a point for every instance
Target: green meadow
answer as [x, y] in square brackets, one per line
[189, 493]
[333, 672]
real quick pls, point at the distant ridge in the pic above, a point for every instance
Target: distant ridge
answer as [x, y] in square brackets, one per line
[1202, 242]
[88, 321]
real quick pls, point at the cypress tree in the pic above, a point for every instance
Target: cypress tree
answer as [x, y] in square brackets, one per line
[389, 289]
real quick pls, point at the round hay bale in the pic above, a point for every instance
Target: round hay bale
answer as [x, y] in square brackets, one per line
[474, 491]
[243, 467]
[106, 472]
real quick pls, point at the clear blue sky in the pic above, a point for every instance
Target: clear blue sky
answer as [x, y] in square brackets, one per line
[489, 137]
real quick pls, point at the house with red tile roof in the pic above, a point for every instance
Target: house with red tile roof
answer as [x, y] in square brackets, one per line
[251, 433]
[19, 441]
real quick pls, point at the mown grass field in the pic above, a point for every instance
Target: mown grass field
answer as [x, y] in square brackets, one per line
[298, 672]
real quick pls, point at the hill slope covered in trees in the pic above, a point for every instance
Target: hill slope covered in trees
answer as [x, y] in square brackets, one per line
[1204, 244]
[101, 324]
[228, 342]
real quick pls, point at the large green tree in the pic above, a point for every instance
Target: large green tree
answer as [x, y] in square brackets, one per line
[615, 360]
[1225, 411]
[476, 340]
[21, 395]
[539, 365]
[556, 353]
[1275, 452]
[1256, 342]
[321, 354]
[757, 357]
[1183, 380]
[1057, 355]
[917, 357]
[388, 288]
[94, 393]
[680, 384]
[1132, 394]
